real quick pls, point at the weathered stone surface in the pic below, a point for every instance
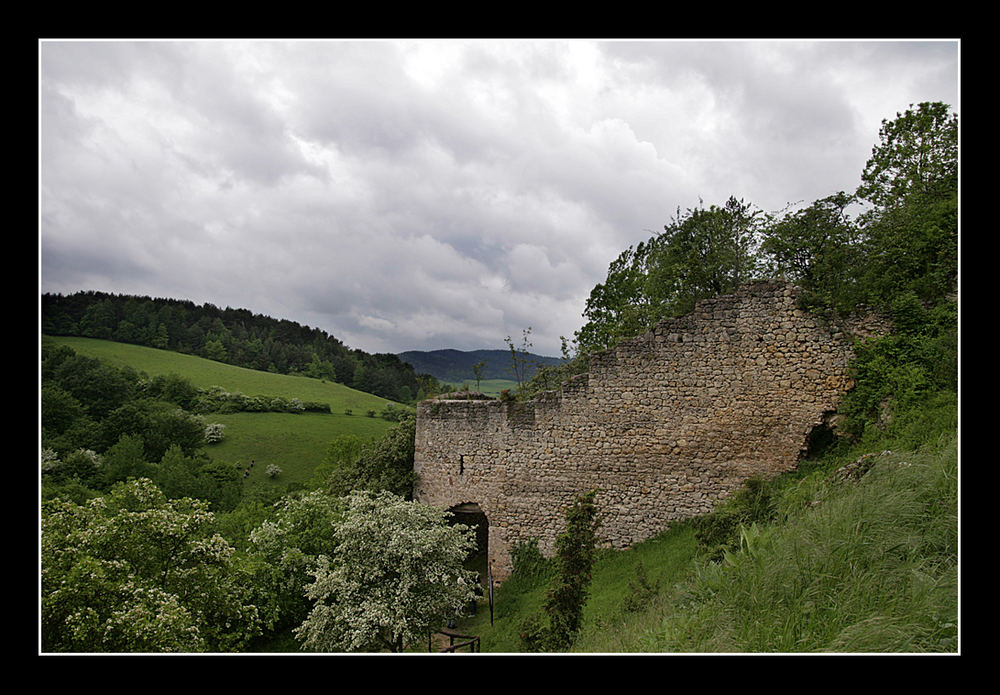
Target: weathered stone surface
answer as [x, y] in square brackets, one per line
[666, 424]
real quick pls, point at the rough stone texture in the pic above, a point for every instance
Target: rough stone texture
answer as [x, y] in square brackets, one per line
[665, 424]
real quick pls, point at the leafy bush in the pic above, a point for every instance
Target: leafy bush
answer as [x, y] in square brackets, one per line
[384, 464]
[563, 611]
[528, 559]
[214, 432]
[135, 572]
[901, 371]
[719, 531]
[395, 574]
[217, 400]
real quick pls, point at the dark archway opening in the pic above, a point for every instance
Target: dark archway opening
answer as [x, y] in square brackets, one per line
[472, 516]
[821, 438]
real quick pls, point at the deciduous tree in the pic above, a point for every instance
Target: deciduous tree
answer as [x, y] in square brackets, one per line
[135, 572]
[917, 155]
[395, 574]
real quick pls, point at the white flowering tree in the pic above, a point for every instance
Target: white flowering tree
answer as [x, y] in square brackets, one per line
[395, 575]
[215, 432]
[136, 572]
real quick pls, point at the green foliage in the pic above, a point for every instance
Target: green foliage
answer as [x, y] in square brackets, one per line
[125, 459]
[395, 574]
[528, 560]
[136, 572]
[564, 603]
[393, 414]
[235, 336]
[382, 465]
[917, 157]
[97, 387]
[620, 306]
[704, 253]
[160, 425]
[641, 591]
[300, 529]
[701, 253]
[817, 247]
[898, 372]
[906, 241]
[217, 400]
[84, 466]
[172, 388]
[720, 531]
[342, 452]
[911, 247]
[294, 439]
[208, 375]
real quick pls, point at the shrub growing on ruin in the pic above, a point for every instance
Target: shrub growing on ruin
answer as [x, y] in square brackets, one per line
[562, 617]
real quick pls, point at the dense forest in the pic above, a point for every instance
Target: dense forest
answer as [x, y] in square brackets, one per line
[148, 546]
[234, 336]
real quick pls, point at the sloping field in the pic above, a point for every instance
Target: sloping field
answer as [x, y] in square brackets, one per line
[296, 443]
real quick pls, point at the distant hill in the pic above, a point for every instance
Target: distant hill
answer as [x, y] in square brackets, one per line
[456, 365]
[233, 336]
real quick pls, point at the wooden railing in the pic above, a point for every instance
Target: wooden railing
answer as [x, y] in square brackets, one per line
[471, 641]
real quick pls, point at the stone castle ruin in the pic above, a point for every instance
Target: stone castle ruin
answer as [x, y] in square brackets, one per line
[665, 425]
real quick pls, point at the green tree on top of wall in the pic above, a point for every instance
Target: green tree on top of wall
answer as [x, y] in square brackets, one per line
[906, 240]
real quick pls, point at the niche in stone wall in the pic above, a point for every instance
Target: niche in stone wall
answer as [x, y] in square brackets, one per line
[822, 436]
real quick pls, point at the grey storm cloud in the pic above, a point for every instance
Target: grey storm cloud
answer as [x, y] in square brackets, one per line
[428, 194]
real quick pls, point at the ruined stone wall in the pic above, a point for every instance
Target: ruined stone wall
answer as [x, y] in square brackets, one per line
[665, 425]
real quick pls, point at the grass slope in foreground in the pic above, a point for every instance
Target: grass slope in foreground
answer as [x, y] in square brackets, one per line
[848, 566]
[294, 443]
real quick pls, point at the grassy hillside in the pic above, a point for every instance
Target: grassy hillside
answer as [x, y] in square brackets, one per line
[295, 443]
[862, 563]
[205, 373]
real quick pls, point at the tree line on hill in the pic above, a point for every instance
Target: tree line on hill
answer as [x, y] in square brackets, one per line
[233, 336]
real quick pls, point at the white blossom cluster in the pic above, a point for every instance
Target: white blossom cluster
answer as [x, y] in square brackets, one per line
[214, 432]
[396, 573]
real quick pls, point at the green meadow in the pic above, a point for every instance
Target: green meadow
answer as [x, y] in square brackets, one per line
[296, 443]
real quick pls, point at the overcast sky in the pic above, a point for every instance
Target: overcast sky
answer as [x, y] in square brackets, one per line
[434, 194]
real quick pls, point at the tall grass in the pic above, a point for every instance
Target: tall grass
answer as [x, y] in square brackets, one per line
[867, 566]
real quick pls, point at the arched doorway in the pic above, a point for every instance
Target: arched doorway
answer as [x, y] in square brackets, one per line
[473, 516]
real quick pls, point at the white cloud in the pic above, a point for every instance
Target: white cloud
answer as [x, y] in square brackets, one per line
[422, 194]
